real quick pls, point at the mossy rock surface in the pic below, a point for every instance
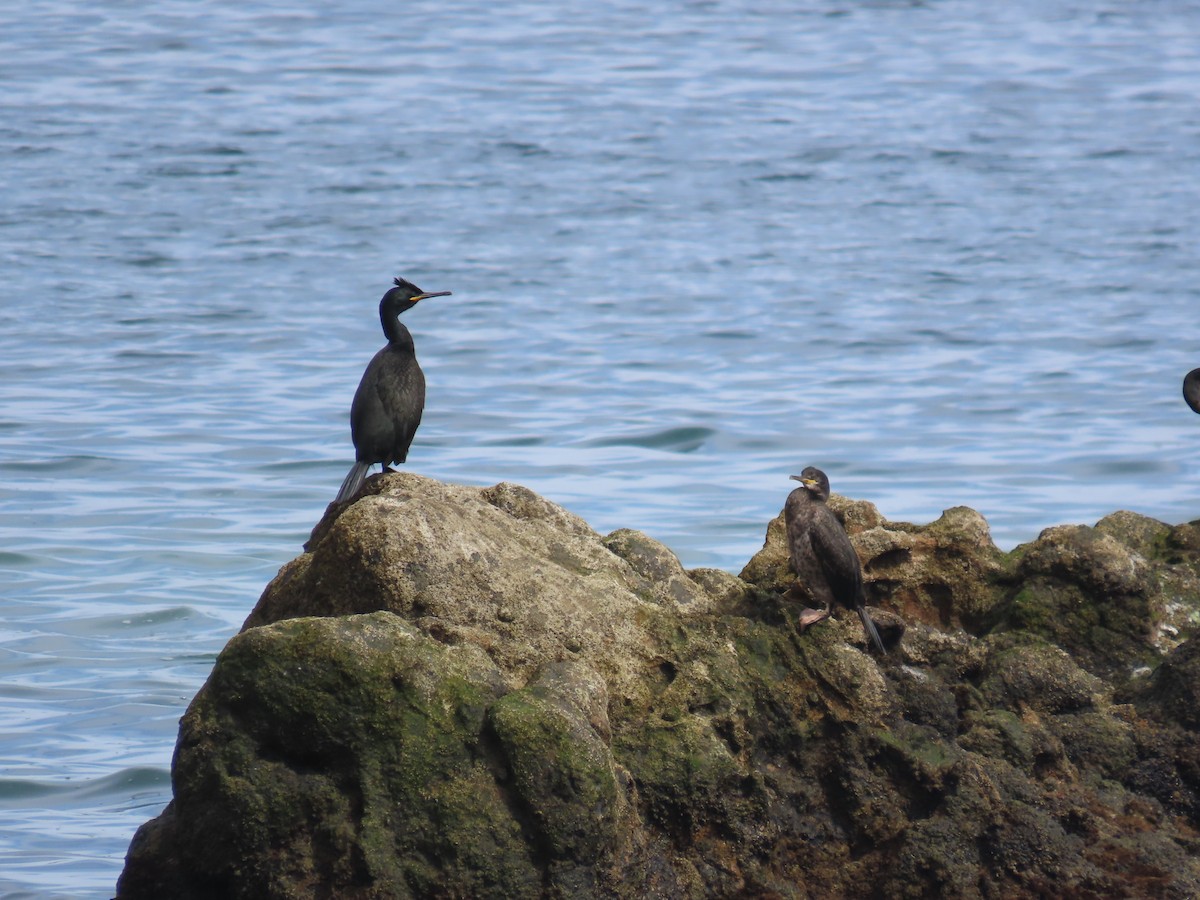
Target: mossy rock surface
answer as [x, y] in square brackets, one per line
[1109, 595]
[468, 692]
[343, 752]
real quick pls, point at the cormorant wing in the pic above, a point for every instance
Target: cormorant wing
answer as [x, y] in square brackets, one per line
[370, 424]
[838, 560]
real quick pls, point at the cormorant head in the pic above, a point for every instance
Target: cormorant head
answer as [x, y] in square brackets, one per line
[1191, 390]
[404, 296]
[814, 481]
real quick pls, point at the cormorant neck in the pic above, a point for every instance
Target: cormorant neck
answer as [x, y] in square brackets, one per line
[395, 332]
[807, 496]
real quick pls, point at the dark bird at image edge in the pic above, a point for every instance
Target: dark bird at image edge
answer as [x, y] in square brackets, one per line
[1191, 390]
[390, 399]
[822, 556]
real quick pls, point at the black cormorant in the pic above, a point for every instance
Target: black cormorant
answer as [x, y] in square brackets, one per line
[822, 555]
[390, 398]
[1191, 389]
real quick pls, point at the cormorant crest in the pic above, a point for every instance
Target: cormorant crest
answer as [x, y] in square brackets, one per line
[401, 283]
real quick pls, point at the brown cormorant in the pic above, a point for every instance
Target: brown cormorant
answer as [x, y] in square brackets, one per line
[822, 555]
[1191, 389]
[390, 398]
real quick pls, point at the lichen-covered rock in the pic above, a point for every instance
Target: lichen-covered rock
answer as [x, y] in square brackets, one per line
[1144, 536]
[943, 574]
[465, 692]
[1088, 556]
[1175, 686]
[1038, 676]
[662, 577]
[497, 567]
[1107, 594]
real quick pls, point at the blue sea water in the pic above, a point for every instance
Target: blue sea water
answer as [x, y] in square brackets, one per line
[948, 251]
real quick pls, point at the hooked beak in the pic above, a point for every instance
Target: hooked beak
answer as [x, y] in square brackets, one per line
[430, 294]
[807, 482]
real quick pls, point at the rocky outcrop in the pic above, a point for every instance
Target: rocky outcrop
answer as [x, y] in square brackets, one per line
[467, 692]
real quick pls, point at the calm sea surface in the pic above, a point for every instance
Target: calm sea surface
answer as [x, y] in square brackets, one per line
[948, 251]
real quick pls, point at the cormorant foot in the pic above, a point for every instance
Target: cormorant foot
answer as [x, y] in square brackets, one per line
[811, 617]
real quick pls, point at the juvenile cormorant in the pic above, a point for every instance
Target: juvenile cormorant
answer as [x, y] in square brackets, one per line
[822, 555]
[390, 398]
[1191, 389]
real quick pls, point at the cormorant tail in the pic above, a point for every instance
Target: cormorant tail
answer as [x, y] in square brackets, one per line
[354, 481]
[869, 627]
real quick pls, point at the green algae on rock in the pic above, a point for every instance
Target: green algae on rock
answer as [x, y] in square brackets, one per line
[338, 752]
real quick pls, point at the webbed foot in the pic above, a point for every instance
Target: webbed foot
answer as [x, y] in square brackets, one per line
[811, 617]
